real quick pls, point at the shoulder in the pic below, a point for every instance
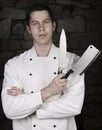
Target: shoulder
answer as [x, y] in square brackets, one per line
[17, 60]
[72, 56]
[69, 55]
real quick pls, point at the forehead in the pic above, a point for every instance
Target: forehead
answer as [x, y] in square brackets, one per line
[36, 15]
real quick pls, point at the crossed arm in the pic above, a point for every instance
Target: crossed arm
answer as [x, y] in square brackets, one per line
[69, 104]
[17, 104]
[56, 86]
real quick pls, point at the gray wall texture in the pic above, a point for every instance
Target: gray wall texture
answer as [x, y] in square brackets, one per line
[82, 21]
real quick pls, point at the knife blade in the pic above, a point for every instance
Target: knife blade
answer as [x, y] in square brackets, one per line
[63, 48]
[87, 59]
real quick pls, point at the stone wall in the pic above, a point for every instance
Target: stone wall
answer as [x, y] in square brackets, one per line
[83, 25]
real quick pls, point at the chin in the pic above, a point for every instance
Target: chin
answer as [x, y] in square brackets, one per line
[43, 42]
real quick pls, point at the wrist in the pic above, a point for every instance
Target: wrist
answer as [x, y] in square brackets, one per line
[45, 94]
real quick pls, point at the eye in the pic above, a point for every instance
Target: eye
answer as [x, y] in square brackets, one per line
[47, 21]
[34, 23]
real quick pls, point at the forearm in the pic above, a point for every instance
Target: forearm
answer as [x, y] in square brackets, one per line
[60, 109]
[56, 87]
[69, 104]
[45, 94]
[21, 105]
[16, 107]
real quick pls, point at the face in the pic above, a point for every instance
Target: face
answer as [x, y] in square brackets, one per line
[41, 27]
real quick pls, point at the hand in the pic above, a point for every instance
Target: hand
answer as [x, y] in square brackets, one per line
[55, 87]
[14, 91]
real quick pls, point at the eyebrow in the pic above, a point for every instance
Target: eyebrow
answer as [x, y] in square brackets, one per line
[32, 21]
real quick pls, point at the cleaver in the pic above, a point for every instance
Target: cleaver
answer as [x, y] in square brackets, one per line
[87, 58]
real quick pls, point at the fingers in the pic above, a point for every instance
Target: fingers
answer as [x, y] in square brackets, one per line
[61, 75]
[14, 91]
[56, 86]
[61, 81]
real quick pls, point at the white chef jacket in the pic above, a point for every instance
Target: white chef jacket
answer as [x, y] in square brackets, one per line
[32, 73]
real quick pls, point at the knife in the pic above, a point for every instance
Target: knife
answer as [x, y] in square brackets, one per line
[63, 48]
[87, 59]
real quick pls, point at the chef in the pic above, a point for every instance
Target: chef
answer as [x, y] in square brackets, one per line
[34, 95]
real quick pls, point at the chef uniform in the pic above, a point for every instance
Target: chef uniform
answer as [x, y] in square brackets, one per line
[32, 73]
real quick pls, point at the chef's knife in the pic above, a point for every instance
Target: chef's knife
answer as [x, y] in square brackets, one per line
[88, 57]
[63, 48]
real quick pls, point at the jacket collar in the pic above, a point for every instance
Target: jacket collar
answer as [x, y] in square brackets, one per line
[53, 52]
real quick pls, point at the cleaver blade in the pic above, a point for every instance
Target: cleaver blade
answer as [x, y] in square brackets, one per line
[87, 58]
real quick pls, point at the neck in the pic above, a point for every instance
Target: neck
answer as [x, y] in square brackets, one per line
[42, 50]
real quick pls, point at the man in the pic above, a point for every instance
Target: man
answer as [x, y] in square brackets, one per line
[34, 95]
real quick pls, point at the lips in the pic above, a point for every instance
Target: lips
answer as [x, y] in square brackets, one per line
[42, 35]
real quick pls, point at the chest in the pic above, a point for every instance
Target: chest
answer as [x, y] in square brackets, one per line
[37, 73]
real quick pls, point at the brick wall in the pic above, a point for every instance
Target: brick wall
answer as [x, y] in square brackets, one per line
[83, 24]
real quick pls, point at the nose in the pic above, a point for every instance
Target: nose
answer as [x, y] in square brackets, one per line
[41, 27]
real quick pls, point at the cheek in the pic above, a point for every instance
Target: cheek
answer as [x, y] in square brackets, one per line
[49, 30]
[34, 32]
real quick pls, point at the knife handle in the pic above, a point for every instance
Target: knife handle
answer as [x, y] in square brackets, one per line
[68, 73]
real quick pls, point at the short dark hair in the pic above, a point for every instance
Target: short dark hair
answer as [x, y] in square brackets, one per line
[39, 7]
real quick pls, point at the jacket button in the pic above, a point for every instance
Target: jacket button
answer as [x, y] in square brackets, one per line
[34, 125]
[30, 74]
[54, 126]
[32, 91]
[54, 72]
[30, 59]
[54, 57]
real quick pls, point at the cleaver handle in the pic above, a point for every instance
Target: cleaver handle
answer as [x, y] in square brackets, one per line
[68, 73]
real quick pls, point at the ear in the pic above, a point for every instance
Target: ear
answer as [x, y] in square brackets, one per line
[28, 29]
[54, 26]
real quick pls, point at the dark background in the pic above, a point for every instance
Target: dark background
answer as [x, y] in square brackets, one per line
[82, 21]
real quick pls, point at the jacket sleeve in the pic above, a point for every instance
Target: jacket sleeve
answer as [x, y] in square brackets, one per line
[16, 107]
[69, 104]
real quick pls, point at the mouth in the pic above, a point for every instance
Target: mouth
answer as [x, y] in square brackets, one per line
[42, 35]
